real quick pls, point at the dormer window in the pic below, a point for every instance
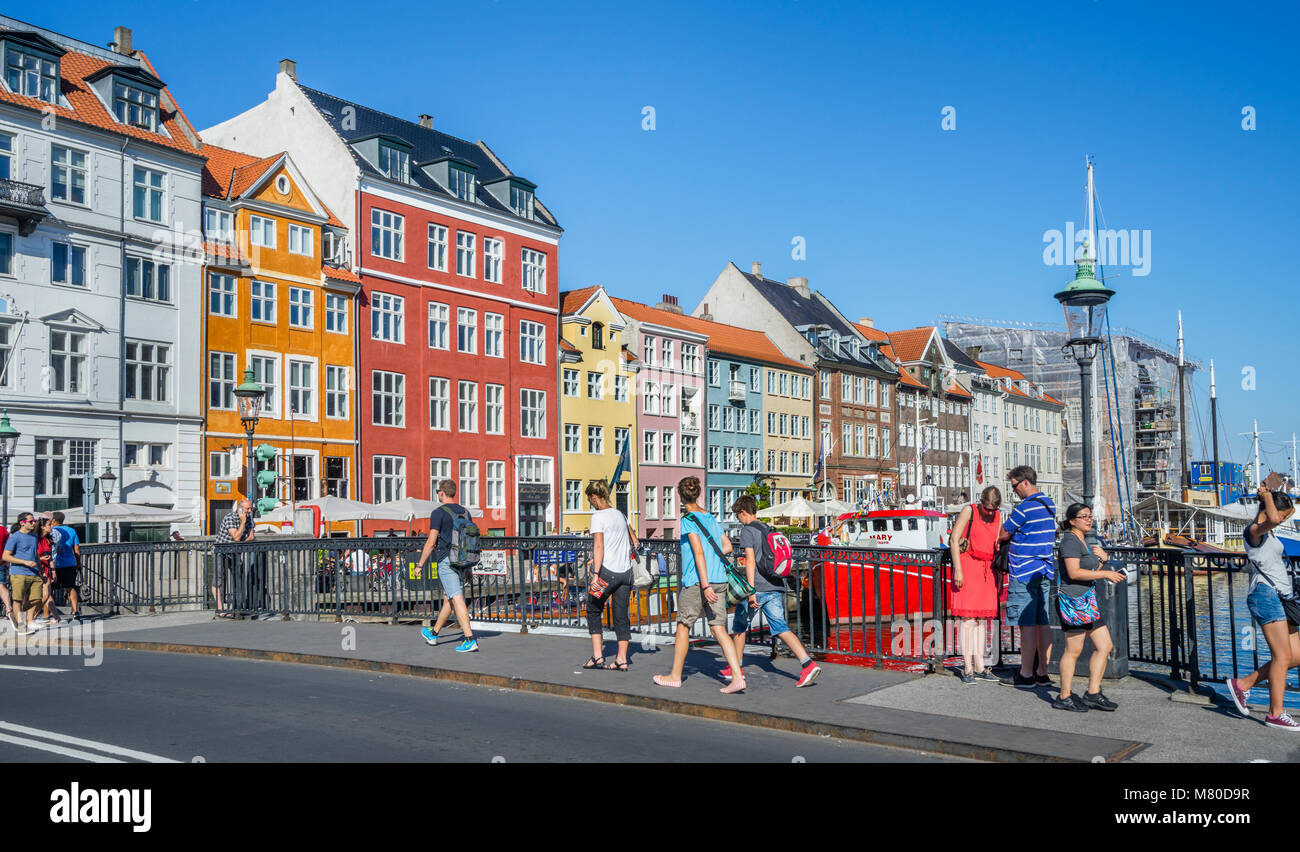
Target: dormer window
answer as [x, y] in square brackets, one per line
[395, 163]
[135, 106]
[31, 74]
[521, 201]
[597, 336]
[461, 183]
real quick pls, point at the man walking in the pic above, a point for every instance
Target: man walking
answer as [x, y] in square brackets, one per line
[1031, 529]
[237, 525]
[441, 523]
[20, 556]
[67, 562]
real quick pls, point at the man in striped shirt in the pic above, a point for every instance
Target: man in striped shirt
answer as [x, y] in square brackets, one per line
[1031, 530]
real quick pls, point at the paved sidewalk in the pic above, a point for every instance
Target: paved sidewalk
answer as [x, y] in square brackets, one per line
[836, 705]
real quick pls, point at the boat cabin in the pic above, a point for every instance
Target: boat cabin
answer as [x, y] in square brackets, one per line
[895, 529]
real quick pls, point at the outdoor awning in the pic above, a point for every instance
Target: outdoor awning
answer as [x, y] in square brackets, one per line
[334, 509]
[119, 513]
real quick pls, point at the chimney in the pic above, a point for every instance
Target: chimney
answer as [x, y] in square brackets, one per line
[974, 352]
[122, 41]
[705, 315]
[867, 321]
[426, 120]
[669, 304]
[800, 285]
[289, 68]
[756, 269]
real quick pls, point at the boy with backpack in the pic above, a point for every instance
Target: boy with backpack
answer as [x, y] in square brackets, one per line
[768, 561]
[454, 541]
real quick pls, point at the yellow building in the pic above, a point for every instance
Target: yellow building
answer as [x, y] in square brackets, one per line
[280, 300]
[597, 404]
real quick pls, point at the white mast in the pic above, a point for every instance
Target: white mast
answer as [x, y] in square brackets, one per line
[1092, 225]
[1256, 433]
[1180, 339]
[1212, 378]
[1293, 460]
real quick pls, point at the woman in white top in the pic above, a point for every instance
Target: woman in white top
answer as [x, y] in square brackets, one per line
[1270, 582]
[612, 551]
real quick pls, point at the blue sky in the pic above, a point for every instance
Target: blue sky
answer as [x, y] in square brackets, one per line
[823, 121]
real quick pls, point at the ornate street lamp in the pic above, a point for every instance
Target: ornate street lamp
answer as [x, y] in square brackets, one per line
[250, 396]
[1084, 302]
[8, 448]
[106, 482]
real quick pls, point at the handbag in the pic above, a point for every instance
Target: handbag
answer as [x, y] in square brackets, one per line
[1290, 604]
[1080, 611]
[738, 585]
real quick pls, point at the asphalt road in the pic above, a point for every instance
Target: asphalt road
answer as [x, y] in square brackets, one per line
[146, 706]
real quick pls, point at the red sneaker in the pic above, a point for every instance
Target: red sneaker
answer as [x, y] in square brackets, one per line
[809, 674]
[726, 673]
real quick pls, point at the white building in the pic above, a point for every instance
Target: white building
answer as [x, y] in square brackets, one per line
[99, 286]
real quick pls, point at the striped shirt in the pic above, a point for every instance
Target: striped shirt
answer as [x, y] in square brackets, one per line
[1032, 525]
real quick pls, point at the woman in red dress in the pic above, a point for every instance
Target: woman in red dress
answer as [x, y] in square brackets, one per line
[974, 589]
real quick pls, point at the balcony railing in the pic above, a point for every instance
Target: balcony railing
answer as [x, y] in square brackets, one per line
[25, 201]
[690, 422]
[737, 392]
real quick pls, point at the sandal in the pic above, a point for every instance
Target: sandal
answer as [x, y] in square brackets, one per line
[617, 666]
[595, 663]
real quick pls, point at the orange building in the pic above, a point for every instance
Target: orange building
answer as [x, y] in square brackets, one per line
[280, 299]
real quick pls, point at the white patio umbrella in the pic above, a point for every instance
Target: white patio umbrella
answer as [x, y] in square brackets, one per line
[412, 507]
[131, 513]
[796, 508]
[838, 507]
[334, 509]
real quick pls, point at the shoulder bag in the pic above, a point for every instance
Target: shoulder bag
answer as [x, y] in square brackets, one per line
[1290, 604]
[738, 585]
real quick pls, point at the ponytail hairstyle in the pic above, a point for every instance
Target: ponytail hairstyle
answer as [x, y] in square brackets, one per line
[1070, 514]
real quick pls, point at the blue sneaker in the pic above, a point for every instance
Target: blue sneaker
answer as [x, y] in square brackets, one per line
[470, 644]
[429, 636]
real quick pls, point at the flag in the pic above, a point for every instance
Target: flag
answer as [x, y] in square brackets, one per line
[979, 469]
[624, 463]
[821, 456]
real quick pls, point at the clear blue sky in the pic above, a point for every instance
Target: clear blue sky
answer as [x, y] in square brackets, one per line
[817, 120]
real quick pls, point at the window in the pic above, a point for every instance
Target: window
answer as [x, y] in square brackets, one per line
[859, 447]
[438, 248]
[859, 390]
[668, 400]
[467, 406]
[597, 336]
[595, 385]
[266, 372]
[302, 388]
[466, 330]
[388, 399]
[496, 485]
[715, 417]
[846, 387]
[148, 280]
[650, 446]
[755, 379]
[784, 428]
[691, 358]
[493, 251]
[219, 466]
[532, 342]
[572, 495]
[494, 329]
[595, 440]
[871, 391]
[495, 403]
[336, 313]
[67, 175]
[32, 75]
[669, 506]
[871, 442]
[668, 353]
[300, 307]
[336, 392]
[68, 264]
[620, 388]
[439, 469]
[521, 201]
[534, 271]
[771, 423]
[620, 438]
[135, 106]
[465, 254]
[572, 437]
[6, 156]
[147, 199]
[261, 231]
[785, 384]
[666, 445]
[219, 225]
[301, 240]
[570, 382]
[262, 302]
[462, 185]
[825, 377]
[148, 369]
[846, 436]
[652, 502]
[67, 362]
[438, 319]
[650, 397]
[439, 403]
[336, 476]
[805, 387]
[221, 295]
[532, 419]
[221, 380]
[885, 448]
[389, 478]
[690, 450]
[884, 394]
[715, 458]
[386, 234]
[395, 163]
[386, 317]
[467, 494]
[58, 462]
[715, 373]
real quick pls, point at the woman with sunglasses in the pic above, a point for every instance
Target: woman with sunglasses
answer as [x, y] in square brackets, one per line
[1078, 567]
[974, 588]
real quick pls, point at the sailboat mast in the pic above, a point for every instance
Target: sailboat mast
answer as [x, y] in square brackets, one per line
[1214, 432]
[1258, 478]
[1182, 415]
[1092, 222]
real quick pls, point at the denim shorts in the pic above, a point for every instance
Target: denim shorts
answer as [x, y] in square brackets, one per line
[450, 579]
[1265, 605]
[773, 606]
[1027, 601]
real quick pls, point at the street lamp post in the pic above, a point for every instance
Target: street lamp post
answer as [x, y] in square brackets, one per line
[8, 448]
[106, 480]
[250, 396]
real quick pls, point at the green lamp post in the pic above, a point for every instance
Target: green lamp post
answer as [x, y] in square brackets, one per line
[8, 448]
[250, 396]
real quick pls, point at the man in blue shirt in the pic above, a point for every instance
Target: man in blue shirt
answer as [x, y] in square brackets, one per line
[1031, 530]
[24, 574]
[67, 559]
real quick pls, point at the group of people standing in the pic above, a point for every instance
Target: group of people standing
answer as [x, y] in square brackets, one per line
[40, 556]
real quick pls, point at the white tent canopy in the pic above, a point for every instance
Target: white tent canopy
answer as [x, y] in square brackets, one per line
[796, 508]
[126, 513]
[334, 509]
[838, 507]
[412, 507]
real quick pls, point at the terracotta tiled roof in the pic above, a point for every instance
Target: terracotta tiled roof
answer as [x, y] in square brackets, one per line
[905, 378]
[1053, 400]
[878, 336]
[340, 274]
[723, 339]
[958, 390]
[629, 356]
[909, 344]
[572, 300]
[223, 251]
[569, 347]
[228, 174]
[86, 108]
[250, 173]
[999, 372]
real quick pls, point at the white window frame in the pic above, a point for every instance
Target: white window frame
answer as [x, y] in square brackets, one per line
[308, 398]
[336, 313]
[68, 268]
[439, 326]
[437, 255]
[302, 301]
[532, 336]
[532, 404]
[258, 228]
[226, 295]
[395, 389]
[467, 483]
[160, 371]
[439, 404]
[261, 300]
[467, 318]
[465, 254]
[301, 237]
[386, 230]
[338, 381]
[467, 407]
[533, 270]
[494, 335]
[152, 195]
[494, 409]
[390, 307]
[493, 255]
[389, 469]
[70, 171]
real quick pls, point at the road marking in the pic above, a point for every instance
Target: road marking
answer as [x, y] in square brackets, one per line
[97, 746]
[66, 752]
[33, 669]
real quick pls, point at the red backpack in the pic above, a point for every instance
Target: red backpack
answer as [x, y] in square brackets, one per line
[777, 559]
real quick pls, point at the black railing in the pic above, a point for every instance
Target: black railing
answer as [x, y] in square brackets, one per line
[23, 194]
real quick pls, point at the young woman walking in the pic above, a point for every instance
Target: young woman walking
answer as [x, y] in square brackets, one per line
[612, 550]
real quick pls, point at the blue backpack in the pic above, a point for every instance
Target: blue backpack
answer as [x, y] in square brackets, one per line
[465, 542]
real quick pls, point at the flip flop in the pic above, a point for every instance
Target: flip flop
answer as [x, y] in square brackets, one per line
[663, 681]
